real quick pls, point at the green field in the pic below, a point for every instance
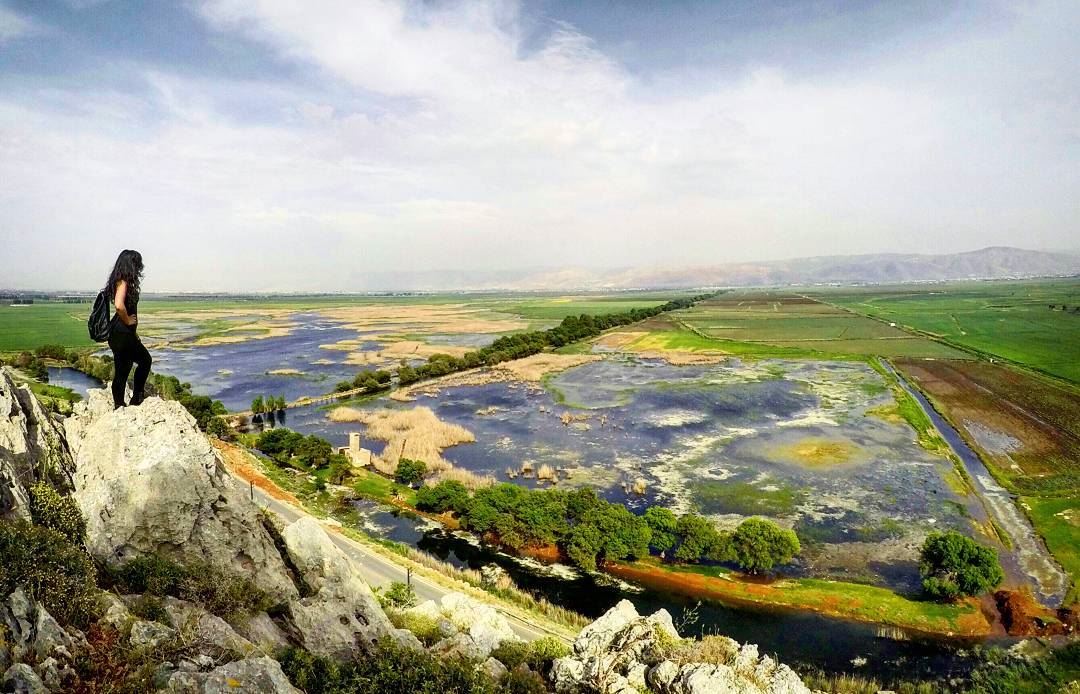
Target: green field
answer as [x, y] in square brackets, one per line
[47, 322]
[789, 321]
[1007, 320]
[1058, 521]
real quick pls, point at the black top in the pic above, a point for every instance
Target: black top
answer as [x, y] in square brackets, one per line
[131, 304]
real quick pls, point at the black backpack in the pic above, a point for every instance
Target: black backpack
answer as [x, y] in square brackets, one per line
[99, 324]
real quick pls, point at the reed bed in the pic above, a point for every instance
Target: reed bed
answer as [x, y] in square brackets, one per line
[417, 434]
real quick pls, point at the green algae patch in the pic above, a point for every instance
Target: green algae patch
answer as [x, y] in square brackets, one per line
[715, 496]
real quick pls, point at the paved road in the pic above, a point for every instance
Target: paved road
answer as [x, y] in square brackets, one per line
[377, 570]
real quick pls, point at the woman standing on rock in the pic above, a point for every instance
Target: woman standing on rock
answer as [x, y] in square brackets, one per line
[127, 348]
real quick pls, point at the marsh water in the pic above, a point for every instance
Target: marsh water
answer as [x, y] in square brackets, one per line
[811, 444]
[77, 381]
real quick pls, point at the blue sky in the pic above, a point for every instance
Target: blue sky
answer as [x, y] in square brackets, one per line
[262, 144]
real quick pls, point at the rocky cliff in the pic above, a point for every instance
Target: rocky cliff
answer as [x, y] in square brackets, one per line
[151, 486]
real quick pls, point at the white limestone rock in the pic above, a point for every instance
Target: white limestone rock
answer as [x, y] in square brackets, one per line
[261, 675]
[148, 481]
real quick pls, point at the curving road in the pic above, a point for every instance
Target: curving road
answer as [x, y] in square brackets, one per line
[379, 571]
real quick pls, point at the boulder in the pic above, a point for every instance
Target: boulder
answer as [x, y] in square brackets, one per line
[261, 675]
[342, 618]
[32, 448]
[21, 679]
[147, 635]
[265, 633]
[116, 613]
[148, 481]
[211, 632]
[472, 628]
[623, 652]
[31, 633]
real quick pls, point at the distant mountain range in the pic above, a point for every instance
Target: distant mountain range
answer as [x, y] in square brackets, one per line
[997, 262]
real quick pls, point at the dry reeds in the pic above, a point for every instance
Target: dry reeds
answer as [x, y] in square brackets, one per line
[415, 433]
[639, 486]
[471, 480]
[527, 469]
[546, 472]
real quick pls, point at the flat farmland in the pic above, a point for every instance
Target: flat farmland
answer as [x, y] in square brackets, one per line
[1022, 322]
[791, 321]
[1026, 429]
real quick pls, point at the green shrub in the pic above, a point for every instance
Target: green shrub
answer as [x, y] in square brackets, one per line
[392, 669]
[150, 607]
[399, 595]
[55, 572]
[422, 627]
[218, 428]
[224, 594]
[537, 654]
[952, 565]
[522, 681]
[52, 510]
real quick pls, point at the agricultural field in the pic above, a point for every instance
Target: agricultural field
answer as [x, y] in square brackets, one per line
[1026, 429]
[784, 323]
[1022, 322]
[218, 320]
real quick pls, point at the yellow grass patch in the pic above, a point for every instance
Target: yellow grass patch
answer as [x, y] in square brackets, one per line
[416, 434]
[815, 452]
[529, 369]
[285, 372]
[429, 318]
[653, 346]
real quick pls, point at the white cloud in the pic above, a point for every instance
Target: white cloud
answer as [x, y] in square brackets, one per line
[457, 148]
[13, 26]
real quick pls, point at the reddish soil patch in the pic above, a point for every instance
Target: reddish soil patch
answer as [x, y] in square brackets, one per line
[1022, 616]
[239, 463]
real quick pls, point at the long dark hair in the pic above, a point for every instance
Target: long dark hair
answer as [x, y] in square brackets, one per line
[128, 267]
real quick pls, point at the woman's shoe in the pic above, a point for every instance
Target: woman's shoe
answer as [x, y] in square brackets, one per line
[136, 398]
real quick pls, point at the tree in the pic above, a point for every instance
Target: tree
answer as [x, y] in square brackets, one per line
[410, 472]
[339, 468]
[663, 523]
[952, 565]
[759, 544]
[257, 406]
[448, 495]
[313, 451]
[281, 403]
[696, 535]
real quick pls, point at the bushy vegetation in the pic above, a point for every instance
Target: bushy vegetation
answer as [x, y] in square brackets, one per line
[591, 530]
[54, 571]
[953, 565]
[392, 669]
[367, 381]
[537, 654]
[224, 594]
[518, 345]
[410, 471]
[1005, 674]
[303, 452]
[397, 595]
[50, 509]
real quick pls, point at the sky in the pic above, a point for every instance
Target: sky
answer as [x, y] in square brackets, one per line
[262, 145]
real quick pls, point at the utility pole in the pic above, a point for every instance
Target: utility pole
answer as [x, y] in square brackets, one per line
[408, 577]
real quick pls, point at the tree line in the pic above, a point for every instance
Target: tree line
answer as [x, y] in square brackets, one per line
[367, 381]
[590, 530]
[304, 453]
[508, 347]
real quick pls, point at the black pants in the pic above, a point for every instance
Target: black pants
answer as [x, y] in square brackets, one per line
[127, 350]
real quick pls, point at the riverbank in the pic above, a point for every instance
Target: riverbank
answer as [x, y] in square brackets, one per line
[832, 598]
[850, 601]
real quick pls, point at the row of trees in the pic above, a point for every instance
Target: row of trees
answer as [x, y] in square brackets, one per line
[507, 347]
[267, 405]
[368, 381]
[204, 409]
[591, 530]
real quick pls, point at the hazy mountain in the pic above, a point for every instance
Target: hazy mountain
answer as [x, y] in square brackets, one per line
[988, 263]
